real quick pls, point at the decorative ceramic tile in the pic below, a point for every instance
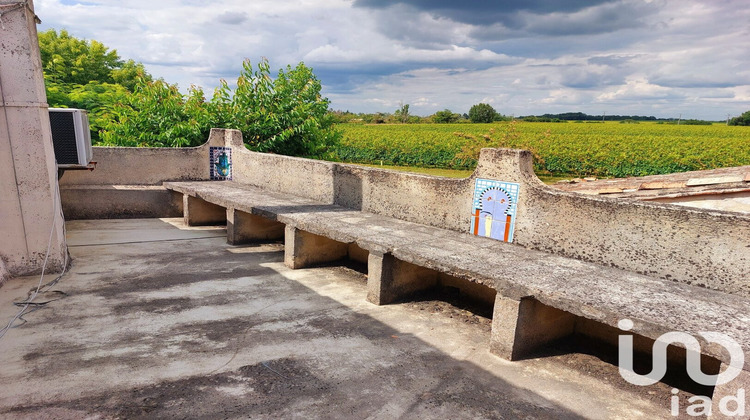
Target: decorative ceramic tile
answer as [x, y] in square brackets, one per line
[494, 209]
[220, 162]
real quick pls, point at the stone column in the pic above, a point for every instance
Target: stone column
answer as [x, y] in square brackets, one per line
[303, 249]
[29, 198]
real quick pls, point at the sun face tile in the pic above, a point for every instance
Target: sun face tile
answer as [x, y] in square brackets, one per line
[494, 209]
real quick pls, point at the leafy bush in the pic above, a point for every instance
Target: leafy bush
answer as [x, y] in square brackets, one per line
[86, 74]
[445, 116]
[285, 115]
[743, 119]
[482, 113]
[158, 115]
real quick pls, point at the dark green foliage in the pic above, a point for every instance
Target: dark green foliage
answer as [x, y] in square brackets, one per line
[86, 74]
[541, 119]
[402, 114]
[445, 116]
[482, 113]
[158, 115]
[580, 116]
[285, 115]
[695, 122]
[743, 119]
[67, 60]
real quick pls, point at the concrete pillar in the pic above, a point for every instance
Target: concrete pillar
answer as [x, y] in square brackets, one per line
[521, 327]
[245, 227]
[29, 198]
[389, 279]
[302, 249]
[199, 212]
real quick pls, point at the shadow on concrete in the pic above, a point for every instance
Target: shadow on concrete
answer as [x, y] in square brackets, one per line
[206, 330]
[607, 352]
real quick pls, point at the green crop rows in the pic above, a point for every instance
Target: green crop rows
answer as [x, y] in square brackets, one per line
[606, 149]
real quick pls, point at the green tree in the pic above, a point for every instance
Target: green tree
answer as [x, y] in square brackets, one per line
[482, 113]
[86, 74]
[445, 116]
[99, 100]
[158, 115]
[66, 59]
[129, 74]
[285, 115]
[402, 114]
[743, 119]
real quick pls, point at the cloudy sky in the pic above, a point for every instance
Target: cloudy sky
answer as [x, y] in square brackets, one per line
[647, 57]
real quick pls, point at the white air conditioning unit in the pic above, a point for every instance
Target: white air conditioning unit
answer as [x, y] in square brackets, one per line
[71, 137]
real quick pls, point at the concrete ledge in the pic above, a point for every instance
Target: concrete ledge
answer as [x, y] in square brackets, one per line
[80, 202]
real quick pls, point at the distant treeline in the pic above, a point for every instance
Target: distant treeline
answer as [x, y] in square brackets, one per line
[632, 119]
[580, 116]
[402, 115]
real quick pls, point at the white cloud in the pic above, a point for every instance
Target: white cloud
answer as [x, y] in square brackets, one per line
[635, 89]
[636, 57]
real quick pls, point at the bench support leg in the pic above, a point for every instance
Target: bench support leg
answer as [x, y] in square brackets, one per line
[729, 399]
[389, 279]
[520, 327]
[302, 249]
[200, 212]
[245, 227]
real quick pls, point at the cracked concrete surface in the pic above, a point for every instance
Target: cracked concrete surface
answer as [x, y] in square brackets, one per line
[161, 320]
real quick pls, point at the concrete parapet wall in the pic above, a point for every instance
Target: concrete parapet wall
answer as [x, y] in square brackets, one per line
[699, 247]
[141, 166]
[119, 202]
[127, 180]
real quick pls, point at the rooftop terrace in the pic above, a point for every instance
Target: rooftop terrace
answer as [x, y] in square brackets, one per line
[156, 319]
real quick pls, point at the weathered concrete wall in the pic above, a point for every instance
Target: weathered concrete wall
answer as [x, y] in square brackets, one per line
[700, 247]
[82, 202]
[28, 176]
[127, 182]
[141, 166]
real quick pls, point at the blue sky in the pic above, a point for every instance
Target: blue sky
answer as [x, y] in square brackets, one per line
[629, 57]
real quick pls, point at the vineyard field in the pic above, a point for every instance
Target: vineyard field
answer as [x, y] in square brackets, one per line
[602, 149]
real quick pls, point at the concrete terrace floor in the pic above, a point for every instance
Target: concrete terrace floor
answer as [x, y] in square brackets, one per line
[159, 320]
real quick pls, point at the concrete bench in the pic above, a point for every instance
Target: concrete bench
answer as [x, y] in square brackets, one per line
[538, 297]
